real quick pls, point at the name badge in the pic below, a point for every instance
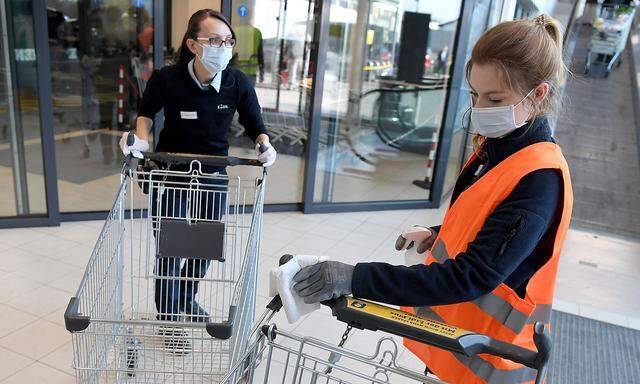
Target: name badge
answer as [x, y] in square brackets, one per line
[187, 115]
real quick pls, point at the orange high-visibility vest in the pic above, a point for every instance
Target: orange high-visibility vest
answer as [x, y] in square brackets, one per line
[501, 314]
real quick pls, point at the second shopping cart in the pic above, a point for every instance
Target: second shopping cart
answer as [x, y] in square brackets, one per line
[168, 294]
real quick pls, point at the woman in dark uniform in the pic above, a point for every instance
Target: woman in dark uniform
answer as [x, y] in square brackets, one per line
[200, 96]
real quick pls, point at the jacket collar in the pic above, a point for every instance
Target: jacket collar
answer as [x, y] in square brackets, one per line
[496, 150]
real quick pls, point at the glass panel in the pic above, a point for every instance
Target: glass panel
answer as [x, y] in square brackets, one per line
[384, 96]
[21, 165]
[273, 46]
[486, 14]
[101, 57]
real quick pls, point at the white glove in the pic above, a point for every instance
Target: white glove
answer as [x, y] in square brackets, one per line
[138, 146]
[268, 157]
[418, 235]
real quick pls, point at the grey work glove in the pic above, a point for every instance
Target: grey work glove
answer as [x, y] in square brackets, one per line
[323, 281]
[416, 234]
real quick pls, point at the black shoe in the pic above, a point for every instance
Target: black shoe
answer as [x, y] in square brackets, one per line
[196, 313]
[176, 340]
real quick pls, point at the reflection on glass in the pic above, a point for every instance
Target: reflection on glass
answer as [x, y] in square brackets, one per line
[273, 46]
[380, 127]
[486, 14]
[21, 166]
[101, 57]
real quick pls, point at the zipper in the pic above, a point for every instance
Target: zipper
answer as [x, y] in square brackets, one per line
[512, 233]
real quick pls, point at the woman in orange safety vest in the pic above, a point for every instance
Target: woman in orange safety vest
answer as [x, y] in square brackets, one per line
[491, 266]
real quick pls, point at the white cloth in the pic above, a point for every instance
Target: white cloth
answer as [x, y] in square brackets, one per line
[412, 257]
[215, 82]
[138, 146]
[268, 157]
[281, 282]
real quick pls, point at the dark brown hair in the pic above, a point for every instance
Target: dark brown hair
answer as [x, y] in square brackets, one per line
[184, 55]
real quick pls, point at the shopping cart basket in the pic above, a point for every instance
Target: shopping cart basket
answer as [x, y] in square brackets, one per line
[275, 356]
[168, 294]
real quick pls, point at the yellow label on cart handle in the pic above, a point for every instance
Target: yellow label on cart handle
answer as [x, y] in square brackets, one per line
[406, 318]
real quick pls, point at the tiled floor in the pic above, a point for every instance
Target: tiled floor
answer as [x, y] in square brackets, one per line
[41, 268]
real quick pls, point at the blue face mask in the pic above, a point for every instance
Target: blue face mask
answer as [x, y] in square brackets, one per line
[215, 59]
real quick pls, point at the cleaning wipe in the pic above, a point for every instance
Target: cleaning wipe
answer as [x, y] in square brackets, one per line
[412, 257]
[281, 282]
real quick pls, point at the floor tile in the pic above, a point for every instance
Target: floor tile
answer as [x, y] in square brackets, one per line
[12, 319]
[14, 258]
[41, 374]
[375, 229]
[309, 244]
[81, 234]
[45, 270]
[41, 301]
[19, 236]
[61, 358]
[4, 246]
[56, 317]
[345, 222]
[77, 255]
[12, 362]
[48, 244]
[322, 325]
[634, 322]
[566, 306]
[69, 282]
[36, 339]
[332, 232]
[348, 252]
[601, 315]
[299, 223]
[13, 285]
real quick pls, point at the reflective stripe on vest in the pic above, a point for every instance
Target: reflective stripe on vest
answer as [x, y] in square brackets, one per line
[482, 368]
[439, 252]
[495, 306]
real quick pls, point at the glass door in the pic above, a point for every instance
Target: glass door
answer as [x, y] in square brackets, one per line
[274, 41]
[21, 153]
[101, 57]
[385, 86]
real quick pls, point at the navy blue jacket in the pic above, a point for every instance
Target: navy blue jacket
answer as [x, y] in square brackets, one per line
[514, 242]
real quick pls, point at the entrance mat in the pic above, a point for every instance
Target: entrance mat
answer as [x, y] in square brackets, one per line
[588, 351]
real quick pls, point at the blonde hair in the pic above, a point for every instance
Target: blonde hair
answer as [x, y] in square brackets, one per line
[527, 53]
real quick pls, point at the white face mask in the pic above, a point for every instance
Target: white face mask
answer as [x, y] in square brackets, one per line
[215, 59]
[495, 122]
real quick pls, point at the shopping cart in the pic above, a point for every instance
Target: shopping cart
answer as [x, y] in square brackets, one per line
[168, 294]
[275, 356]
[608, 39]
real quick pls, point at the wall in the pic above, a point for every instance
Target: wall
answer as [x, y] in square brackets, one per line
[181, 11]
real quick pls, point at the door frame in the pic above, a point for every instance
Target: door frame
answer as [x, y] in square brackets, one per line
[43, 82]
[456, 79]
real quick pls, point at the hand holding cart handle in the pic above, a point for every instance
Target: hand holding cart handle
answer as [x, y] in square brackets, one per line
[364, 314]
[186, 158]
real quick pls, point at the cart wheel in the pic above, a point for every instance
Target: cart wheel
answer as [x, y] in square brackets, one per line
[607, 73]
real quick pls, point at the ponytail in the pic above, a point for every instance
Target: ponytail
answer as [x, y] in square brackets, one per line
[184, 55]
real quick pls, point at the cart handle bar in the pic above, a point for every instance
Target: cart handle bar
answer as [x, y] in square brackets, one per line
[363, 314]
[77, 322]
[186, 158]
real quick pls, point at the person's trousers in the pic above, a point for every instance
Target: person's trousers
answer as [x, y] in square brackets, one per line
[176, 283]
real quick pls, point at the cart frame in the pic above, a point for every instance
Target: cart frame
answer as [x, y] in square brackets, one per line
[120, 330]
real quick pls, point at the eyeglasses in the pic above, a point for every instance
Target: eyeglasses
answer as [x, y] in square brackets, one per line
[217, 42]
